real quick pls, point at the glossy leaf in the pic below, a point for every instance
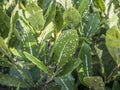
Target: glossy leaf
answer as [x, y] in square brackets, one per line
[94, 82]
[37, 62]
[113, 43]
[65, 46]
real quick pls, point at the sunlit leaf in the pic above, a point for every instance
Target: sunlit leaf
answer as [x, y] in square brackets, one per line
[113, 43]
[101, 4]
[4, 48]
[37, 62]
[34, 15]
[65, 46]
[84, 5]
[44, 34]
[65, 3]
[71, 17]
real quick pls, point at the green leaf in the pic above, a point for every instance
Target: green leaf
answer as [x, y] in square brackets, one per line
[28, 36]
[13, 19]
[86, 58]
[113, 43]
[53, 86]
[70, 19]
[37, 62]
[34, 15]
[84, 5]
[45, 33]
[69, 67]
[67, 83]
[16, 52]
[4, 48]
[50, 13]
[65, 46]
[85, 69]
[65, 3]
[101, 5]
[11, 81]
[91, 24]
[116, 85]
[95, 82]
[4, 23]
[59, 17]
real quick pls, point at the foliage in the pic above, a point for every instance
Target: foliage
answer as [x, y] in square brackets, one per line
[60, 44]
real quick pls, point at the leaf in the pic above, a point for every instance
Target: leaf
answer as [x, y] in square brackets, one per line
[44, 34]
[113, 43]
[85, 69]
[34, 15]
[4, 23]
[37, 62]
[53, 86]
[11, 81]
[50, 13]
[69, 67]
[95, 82]
[65, 46]
[28, 36]
[91, 24]
[67, 83]
[59, 17]
[16, 53]
[13, 19]
[116, 85]
[70, 19]
[101, 5]
[84, 5]
[65, 3]
[113, 17]
[86, 58]
[4, 48]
